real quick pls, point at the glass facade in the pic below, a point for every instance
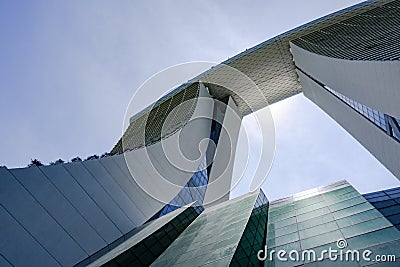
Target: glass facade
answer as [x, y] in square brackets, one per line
[234, 233]
[393, 126]
[150, 240]
[388, 203]
[385, 122]
[377, 117]
[253, 238]
[194, 190]
[216, 127]
[318, 221]
[212, 239]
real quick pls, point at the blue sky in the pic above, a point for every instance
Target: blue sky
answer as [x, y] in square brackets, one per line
[68, 70]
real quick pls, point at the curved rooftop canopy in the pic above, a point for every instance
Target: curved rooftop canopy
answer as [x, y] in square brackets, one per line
[270, 64]
[358, 32]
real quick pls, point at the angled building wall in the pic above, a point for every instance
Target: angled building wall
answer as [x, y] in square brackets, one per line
[383, 147]
[388, 203]
[351, 70]
[318, 218]
[217, 236]
[66, 213]
[148, 241]
[220, 176]
[250, 230]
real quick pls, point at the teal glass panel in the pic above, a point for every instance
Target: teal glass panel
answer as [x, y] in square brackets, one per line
[311, 207]
[374, 238]
[285, 239]
[272, 232]
[315, 221]
[280, 217]
[365, 227]
[253, 237]
[321, 239]
[150, 240]
[358, 218]
[283, 223]
[352, 210]
[307, 201]
[317, 230]
[332, 199]
[281, 209]
[341, 191]
[347, 203]
[313, 214]
[208, 241]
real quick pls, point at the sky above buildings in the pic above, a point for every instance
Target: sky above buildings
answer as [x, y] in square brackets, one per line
[69, 69]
